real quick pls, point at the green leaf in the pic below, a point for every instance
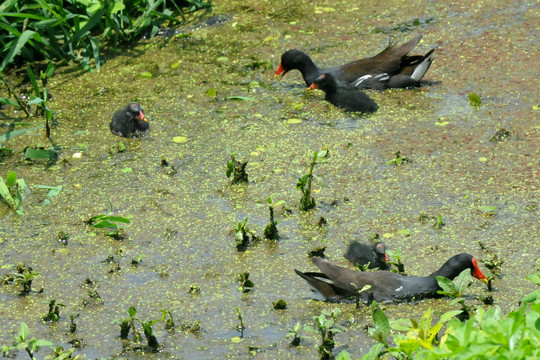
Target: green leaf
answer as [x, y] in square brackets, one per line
[132, 311]
[8, 102]
[16, 47]
[474, 99]
[120, 219]
[40, 154]
[6, 195]
[23, 332]
[11, 178]
[33, 80]
[104, 224]
[14, 133]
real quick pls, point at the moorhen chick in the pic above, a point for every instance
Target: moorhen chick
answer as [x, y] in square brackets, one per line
[361, 254]
[349, 99]
[391, 68]
[129, 121]
[334, 284]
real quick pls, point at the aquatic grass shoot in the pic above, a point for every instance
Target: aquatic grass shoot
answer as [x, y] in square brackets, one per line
[271, 231]
[304, 184]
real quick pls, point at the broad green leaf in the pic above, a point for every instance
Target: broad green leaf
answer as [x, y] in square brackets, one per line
[11, 178]
[14, 133]
[118, 219]
[132, 311]
[39, 154]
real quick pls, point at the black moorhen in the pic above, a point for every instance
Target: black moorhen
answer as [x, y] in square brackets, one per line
[334, 284]
[129, 121]
[349, 99]
[361, 254]
[391, 68]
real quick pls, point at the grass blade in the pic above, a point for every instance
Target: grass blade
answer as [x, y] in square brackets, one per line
[14, 133]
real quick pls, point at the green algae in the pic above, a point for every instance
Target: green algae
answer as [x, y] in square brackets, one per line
[182, 219]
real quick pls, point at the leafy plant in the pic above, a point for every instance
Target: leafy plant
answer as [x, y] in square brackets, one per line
[129, 324]
[279, 305]
[304, 184]
[242, 235]
[455, 289]
[54, 311]
[294, 334]
[112, 224]
[485, 335]
[271, 231]
[149, 334]
[395, 260]
[326, 327]
[12, 192]
[22, 342]
[358, 292]
[167, 318]
[23, 275]
[78, 30]
[245, 284]
[237, 170]
[398, 160]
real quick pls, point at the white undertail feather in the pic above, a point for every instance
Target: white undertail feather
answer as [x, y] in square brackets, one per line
[421, 69]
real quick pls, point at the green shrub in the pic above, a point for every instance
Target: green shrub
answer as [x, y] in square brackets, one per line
[488, 334]
[78, 30]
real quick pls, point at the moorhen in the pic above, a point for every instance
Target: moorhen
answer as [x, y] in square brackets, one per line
[361, 254]
[349, 99]
[335, 283]
[391, 68]
[129, 121]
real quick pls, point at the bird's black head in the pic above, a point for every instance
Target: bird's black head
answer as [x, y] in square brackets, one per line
[136, 115]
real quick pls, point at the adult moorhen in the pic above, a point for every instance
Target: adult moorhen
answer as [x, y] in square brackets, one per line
[129, 121]
[335, 283]
[391, 68]
[349, 99]
[361, 254]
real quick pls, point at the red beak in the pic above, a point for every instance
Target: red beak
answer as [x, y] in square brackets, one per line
[477, 273]
[141, 116]
[281, 71]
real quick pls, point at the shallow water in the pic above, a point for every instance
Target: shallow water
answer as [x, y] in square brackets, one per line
[182, 218]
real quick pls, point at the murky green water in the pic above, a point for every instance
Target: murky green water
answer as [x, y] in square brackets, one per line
[182, 218]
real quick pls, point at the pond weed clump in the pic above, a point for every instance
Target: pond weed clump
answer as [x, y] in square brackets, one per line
[243, 235]
[23, 275]
[236, 170]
